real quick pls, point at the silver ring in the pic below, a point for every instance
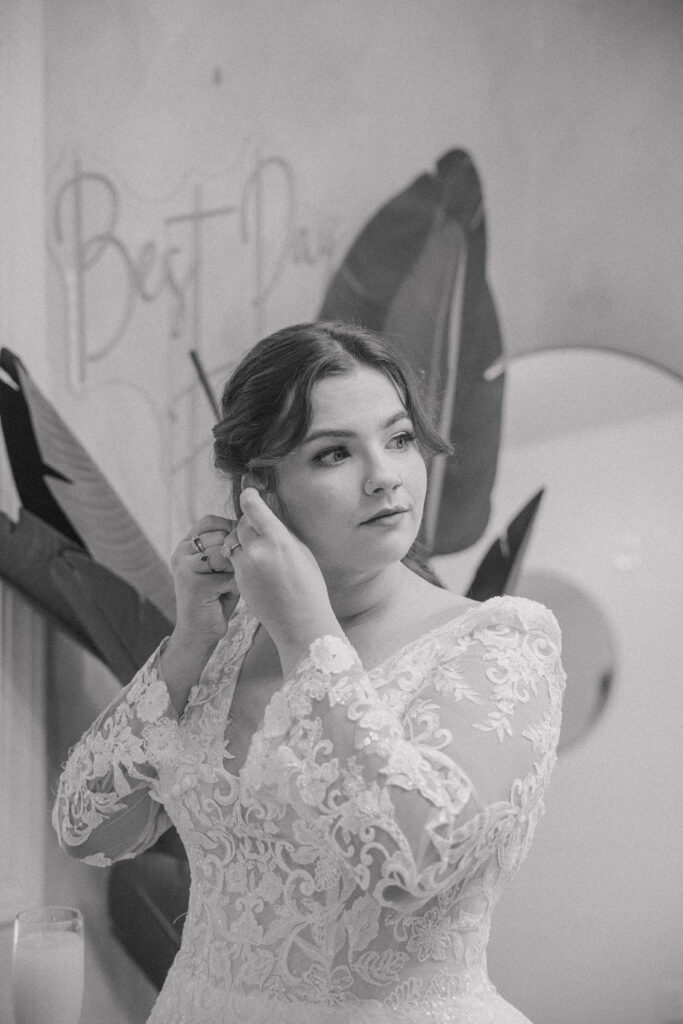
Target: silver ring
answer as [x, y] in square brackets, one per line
[233, 547]
[197, 544]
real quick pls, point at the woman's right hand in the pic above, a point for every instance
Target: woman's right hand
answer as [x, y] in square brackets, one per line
[206, 596]
[280, 580]
[205, 586]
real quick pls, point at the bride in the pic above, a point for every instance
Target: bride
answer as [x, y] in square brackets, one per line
[354, 757]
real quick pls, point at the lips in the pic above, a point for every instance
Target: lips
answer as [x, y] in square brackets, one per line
[386, 513]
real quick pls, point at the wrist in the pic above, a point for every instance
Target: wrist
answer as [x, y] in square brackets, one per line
[295, 644]
[190, 644]
[181, 664]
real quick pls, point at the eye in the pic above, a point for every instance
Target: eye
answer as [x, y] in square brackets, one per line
[403, 440]
[332, 456]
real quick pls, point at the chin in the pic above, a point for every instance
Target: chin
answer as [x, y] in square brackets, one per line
[361, 560]
[383, 552]
[365, 551]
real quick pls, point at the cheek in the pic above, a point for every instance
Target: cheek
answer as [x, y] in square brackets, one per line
[415, 479]
[314, 507]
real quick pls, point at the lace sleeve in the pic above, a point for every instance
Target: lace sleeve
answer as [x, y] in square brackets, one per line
[412, 803]
[107, 807]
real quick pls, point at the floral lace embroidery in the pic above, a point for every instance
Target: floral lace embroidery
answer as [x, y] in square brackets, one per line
[109, 763]
[352, 863]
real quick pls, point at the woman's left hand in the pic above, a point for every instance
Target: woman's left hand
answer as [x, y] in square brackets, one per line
[280, 580]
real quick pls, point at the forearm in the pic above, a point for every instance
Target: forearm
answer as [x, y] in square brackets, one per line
[107, 801]
[181, 664]
[333, 751]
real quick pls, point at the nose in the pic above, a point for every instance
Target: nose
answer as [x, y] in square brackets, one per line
[382, 477]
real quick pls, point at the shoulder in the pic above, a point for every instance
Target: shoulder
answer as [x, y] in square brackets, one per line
[497, 657]
[507, 643]
[507, 614]
[510, 635]
[455, 616]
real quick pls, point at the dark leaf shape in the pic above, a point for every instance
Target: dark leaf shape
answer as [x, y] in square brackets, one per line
[97, 609]
[75, 551]
[28, 548]
[148, 899]
[498, 570]
[28, 469]
[417, 274]
[58, 481]
[124, 627]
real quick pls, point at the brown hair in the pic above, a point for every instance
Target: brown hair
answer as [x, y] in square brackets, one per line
[266, 402]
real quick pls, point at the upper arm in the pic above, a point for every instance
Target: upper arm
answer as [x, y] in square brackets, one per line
[492, 705]
[413, 804]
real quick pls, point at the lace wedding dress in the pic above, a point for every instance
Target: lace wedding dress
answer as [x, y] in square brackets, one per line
[346, 872]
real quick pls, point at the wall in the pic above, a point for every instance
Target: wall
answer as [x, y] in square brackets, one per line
[22, 324]
[207, 169]
[231, 153]
[591, 929]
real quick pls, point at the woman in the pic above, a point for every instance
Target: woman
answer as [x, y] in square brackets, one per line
[354, 757]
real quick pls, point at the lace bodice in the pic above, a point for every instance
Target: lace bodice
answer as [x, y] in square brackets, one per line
[348, 870]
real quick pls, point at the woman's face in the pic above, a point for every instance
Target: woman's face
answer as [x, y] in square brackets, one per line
[353, 491]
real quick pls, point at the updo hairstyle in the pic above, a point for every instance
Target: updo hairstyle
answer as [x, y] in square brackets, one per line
[266, 403]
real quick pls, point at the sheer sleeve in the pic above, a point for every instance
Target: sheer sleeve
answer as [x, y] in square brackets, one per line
[415, 802]
[107, 806]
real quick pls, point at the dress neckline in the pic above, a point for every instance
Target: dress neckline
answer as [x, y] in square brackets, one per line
[531, 612]
[251, 624]
[244, 622]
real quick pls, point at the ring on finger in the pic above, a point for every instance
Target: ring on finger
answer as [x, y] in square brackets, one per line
[229, 548]
[197, 544]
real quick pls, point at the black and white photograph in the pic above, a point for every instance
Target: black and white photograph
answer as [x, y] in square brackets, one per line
[341, 562]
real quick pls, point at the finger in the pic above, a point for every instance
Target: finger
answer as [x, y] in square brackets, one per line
[207, 524]
[214, 561]
[245, 532]
[251, 479]
[257, 513]
[210, 539]
[231, 544]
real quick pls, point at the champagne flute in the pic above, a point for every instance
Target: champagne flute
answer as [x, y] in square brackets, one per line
[47, 966]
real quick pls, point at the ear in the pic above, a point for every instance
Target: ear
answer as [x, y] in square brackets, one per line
[259, 479]
[273, 502]
[254, 478]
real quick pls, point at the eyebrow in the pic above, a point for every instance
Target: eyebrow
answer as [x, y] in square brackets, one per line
[341, 432]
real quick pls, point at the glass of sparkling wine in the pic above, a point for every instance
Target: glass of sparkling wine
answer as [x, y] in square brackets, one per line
[47, 966]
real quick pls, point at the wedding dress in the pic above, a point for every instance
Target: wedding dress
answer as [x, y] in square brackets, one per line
[346, 872]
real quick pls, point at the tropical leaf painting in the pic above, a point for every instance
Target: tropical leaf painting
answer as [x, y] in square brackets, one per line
[28, 549]
[124, 626]
[59, 482]
[417, 273]
[499, 568]
[76, 550]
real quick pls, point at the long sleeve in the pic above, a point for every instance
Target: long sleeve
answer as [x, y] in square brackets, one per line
[415, 800]
[107, 805]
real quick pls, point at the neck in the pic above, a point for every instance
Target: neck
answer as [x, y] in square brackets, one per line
[358, 597]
